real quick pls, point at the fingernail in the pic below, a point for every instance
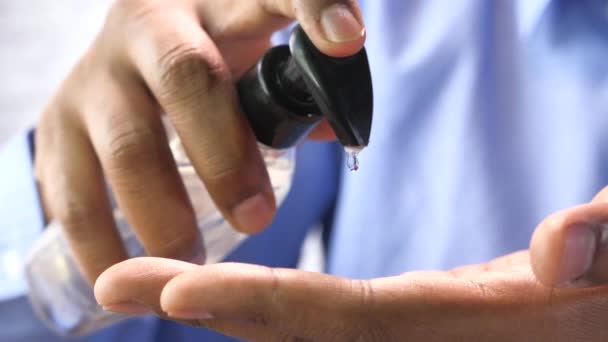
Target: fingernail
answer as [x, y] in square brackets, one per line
[254, 213]
[129, 308]
[202, 315]
[340, 24]
[579, 249]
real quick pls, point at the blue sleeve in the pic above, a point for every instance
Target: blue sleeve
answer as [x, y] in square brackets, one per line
[21, 220]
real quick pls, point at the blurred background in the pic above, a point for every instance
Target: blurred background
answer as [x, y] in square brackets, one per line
[40, 40]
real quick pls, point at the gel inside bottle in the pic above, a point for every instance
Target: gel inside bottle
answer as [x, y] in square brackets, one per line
[289, 91]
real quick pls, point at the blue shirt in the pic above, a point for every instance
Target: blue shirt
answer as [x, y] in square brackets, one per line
[489, 116]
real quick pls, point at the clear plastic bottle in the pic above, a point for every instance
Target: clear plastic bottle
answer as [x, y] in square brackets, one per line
[64, 300]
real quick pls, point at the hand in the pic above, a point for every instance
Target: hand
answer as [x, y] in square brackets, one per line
[180, 58]
[498, 301]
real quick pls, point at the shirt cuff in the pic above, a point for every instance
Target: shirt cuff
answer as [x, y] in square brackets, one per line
[21, 219]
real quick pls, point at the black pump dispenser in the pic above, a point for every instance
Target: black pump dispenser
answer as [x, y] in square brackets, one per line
[292, 88]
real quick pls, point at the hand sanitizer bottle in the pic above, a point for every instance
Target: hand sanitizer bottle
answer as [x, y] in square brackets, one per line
[289, 91]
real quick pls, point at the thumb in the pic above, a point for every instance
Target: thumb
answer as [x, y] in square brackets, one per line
[568, 249]
[335, 26]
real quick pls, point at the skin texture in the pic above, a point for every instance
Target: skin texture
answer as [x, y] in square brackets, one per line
[178, 58]
[497, 301]
[520, 297]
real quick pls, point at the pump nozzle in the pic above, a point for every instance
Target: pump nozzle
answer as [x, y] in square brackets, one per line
[341, 87]
[293, 87]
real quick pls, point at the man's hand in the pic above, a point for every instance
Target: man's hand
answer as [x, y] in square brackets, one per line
[497, 301]
[179, 57]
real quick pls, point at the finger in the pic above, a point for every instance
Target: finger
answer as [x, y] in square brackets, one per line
[134, 287]
[568, 248]
[73, 189]
[335, 26]
[128, 135]
[188, 76]
[308, 305]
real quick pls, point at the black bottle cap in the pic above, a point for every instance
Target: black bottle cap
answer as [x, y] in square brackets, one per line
[278, 114]
[293, 87]
[341, 87]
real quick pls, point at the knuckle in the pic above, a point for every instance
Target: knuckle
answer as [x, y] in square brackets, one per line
[368, 326]
[365, 295]
[275, 289]
[221, 169]
[186, 71]
[133, 146]
[182, 67]
[272, 307]
[76, 216]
